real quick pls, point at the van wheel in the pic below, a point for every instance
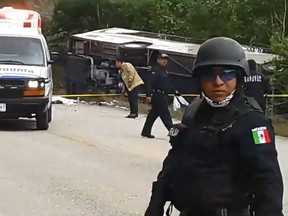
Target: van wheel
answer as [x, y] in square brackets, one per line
[42, 121]
[50, 114]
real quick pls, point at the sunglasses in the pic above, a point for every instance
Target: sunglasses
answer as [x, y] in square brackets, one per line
[225, 75]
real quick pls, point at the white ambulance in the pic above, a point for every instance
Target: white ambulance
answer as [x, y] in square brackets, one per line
[26, 83]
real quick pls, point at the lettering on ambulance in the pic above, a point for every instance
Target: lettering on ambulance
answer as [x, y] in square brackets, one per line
[253, 78]
[21, 70]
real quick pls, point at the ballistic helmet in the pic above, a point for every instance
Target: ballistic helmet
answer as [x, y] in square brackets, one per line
[220, 51]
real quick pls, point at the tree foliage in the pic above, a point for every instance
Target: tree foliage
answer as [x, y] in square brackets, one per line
[249, 21]
[280, 47]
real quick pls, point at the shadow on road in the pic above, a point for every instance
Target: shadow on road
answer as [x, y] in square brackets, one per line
[17, 125]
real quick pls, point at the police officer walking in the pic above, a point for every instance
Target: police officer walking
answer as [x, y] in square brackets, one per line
[256, 85]
[223, 151]
[159, 87]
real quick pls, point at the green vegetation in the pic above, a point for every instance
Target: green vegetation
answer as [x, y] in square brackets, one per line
[249, 21]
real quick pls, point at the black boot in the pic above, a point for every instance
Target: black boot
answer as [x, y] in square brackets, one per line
[131, 116]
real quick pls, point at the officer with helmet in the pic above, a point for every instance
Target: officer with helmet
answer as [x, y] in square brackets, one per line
[223, 151]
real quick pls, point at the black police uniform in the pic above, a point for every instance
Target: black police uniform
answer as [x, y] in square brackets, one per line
[221, 156]
[159, 87]
[216, 161]
[257, 85]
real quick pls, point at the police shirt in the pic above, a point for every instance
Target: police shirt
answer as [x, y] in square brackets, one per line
[159, 81]
[221, 158]
[257, 85]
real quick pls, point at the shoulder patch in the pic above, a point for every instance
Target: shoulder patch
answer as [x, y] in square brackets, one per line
[177, 129]
[173, 132]
[261, 135]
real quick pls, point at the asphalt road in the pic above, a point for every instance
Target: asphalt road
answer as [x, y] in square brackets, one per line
[91, 161]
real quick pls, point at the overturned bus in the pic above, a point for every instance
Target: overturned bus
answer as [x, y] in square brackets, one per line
[90, 60]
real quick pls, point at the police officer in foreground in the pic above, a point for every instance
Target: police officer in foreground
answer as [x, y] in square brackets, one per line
[223, 151]
[256, 85]
[159, 88]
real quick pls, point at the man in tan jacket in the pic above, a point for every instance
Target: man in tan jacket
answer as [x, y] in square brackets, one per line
[131, 81]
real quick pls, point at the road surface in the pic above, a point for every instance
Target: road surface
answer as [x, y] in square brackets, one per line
[91, 161]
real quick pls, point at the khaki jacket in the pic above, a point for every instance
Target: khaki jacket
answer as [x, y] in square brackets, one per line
[130, 76]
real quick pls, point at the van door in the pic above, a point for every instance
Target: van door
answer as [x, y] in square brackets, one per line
[49, 80]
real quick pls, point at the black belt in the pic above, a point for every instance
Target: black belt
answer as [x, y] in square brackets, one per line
[217, 212]
[159, 91]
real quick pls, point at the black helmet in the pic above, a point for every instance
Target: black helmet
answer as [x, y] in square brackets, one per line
[221, 51]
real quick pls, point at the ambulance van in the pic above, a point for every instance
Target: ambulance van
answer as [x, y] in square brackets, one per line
[26, 84]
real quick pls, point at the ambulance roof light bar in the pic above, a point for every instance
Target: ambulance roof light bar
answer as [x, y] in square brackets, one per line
[18, 18]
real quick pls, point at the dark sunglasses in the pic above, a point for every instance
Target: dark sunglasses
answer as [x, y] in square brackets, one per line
[225, 75]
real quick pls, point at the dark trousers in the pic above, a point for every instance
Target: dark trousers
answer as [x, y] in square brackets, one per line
[159, 109]
[218, 212]
[133, 100]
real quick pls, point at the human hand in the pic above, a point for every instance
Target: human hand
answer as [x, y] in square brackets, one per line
[154, 210]
[148, 100]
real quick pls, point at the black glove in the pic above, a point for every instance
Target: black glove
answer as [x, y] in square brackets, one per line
[157, 200]
[177, 135]
[154, 210]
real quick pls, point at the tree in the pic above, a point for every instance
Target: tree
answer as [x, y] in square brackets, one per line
[279, 44]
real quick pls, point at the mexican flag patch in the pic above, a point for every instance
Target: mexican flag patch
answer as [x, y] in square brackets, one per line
[261, 135]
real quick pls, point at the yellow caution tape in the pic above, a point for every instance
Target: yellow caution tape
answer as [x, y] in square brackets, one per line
[114, 95]
[87, 95]
[277, 95]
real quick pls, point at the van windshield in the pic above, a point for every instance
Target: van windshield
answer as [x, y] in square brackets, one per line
[21, 50]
